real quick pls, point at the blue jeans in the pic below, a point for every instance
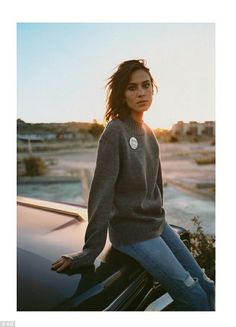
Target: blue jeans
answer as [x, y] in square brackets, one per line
[170, 262]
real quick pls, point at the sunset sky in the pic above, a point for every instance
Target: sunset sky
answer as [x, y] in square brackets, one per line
[62, 69]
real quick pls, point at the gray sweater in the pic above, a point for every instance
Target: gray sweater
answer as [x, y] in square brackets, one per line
[126, 195]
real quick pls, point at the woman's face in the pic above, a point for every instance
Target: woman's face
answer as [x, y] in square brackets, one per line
[139, 91]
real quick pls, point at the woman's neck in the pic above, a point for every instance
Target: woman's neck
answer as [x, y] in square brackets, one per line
[137, 116]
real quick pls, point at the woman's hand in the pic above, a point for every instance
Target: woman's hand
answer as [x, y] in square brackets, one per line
[62, 263]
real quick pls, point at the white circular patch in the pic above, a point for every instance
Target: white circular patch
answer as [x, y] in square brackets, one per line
[133, 143]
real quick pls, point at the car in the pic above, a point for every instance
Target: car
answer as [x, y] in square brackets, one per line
[116, 282]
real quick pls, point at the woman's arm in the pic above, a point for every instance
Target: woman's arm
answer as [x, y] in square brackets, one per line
[99, 204]
[160, 181]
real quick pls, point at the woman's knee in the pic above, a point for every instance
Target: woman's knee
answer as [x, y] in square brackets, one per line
[192, 296]
[198, 296]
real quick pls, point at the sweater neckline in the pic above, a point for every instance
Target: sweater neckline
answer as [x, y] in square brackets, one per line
[135, 126]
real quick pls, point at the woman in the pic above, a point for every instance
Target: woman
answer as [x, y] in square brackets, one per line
[126, 196]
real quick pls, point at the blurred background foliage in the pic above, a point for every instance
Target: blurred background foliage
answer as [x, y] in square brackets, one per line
[202, 247]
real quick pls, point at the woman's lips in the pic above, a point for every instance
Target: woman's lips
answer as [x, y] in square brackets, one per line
[142, 102]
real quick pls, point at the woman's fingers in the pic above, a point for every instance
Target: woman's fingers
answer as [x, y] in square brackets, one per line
[57, 261]
[64, 265]
[61, 264]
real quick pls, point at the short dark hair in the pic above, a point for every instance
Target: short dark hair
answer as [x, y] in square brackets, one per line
[116, 86]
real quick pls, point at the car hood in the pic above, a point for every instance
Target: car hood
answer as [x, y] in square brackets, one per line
[42, 237]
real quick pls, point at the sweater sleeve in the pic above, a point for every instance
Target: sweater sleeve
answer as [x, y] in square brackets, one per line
[100, 200]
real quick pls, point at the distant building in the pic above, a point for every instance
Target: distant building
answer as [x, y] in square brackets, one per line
[179, 128]
[209, 128]
[29, 137]
[37, 137]
[62, 136]
[193, 128]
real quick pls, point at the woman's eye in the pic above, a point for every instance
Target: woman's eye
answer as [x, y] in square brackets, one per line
[146, 85]
[131, 88]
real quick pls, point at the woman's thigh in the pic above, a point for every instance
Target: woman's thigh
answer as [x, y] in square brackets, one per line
[157, 258]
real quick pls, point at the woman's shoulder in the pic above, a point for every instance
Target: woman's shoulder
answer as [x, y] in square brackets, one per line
[115, 123]
[114, 126]
[151, 134]
[112, 130]
[149, 130]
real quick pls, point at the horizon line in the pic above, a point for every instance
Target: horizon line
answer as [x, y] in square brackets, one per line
[101, 123]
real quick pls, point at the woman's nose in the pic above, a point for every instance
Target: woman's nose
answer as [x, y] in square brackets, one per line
[140, 91]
